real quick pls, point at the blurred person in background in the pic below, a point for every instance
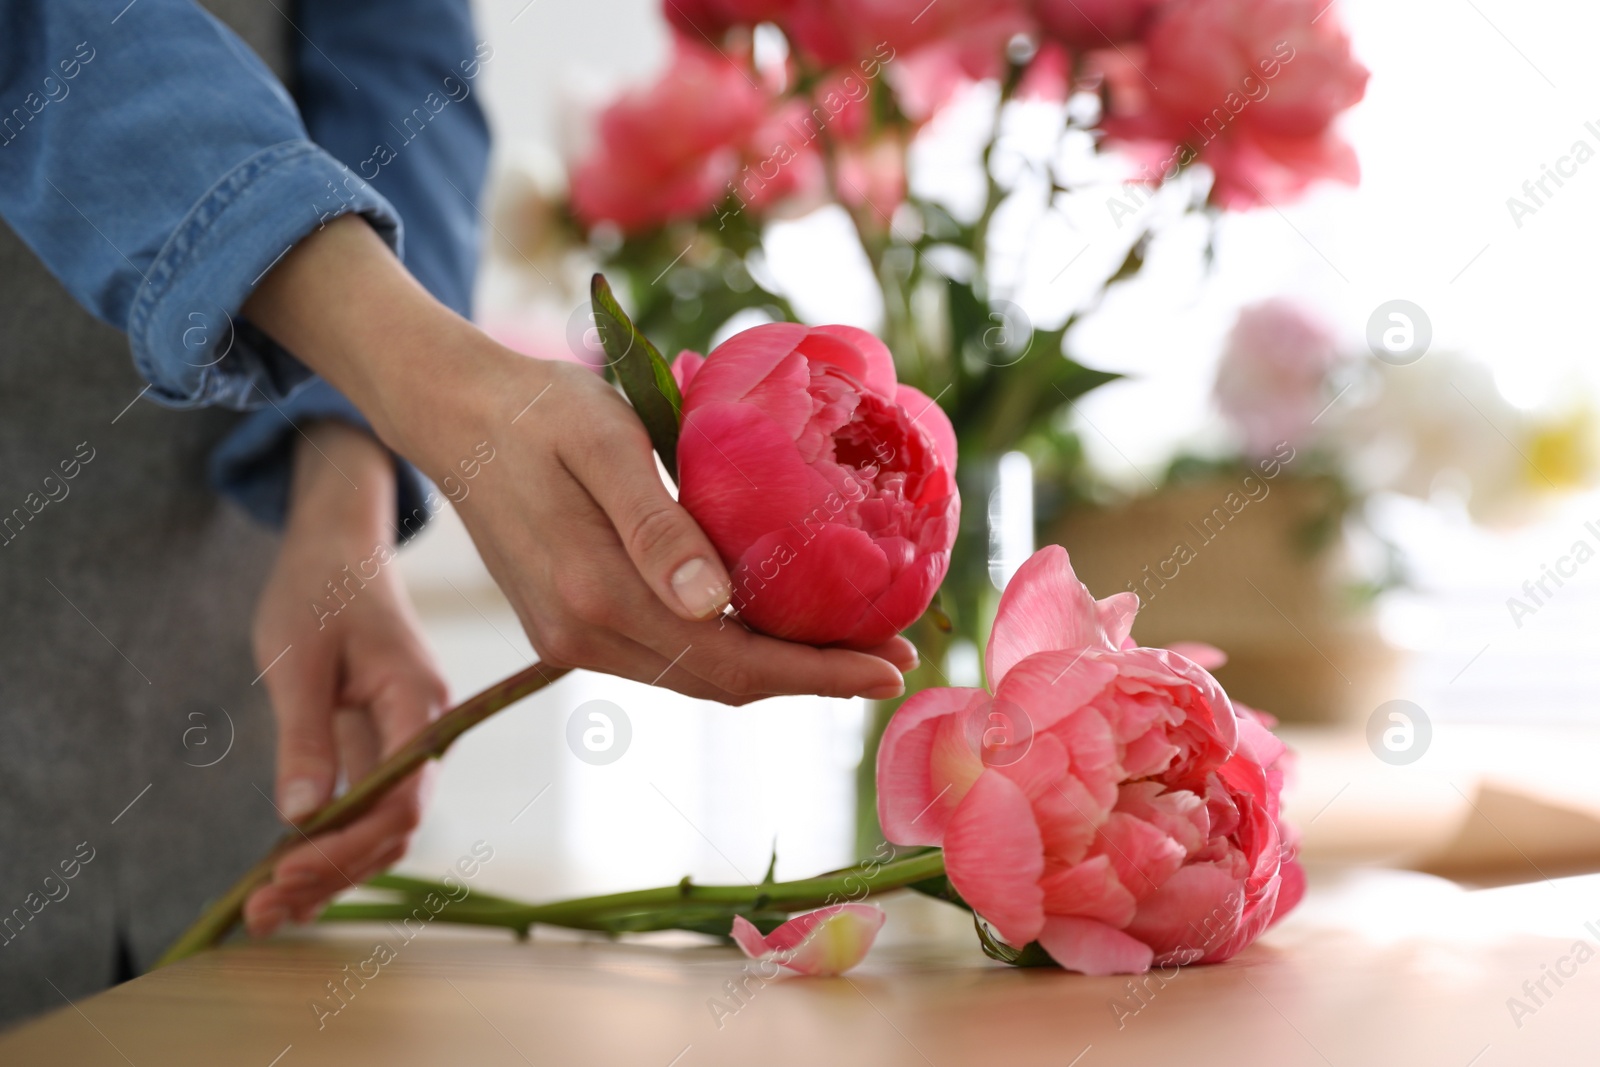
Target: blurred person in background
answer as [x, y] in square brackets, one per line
[230, 190]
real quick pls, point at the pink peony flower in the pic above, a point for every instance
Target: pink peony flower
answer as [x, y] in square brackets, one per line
[1107, 801]
[1250, 87]
[823, 942]
[1089, 24]
[827, 487]
[1271, 380]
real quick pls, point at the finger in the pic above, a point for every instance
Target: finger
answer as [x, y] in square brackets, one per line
[299, 899]
[264, 911]
[333, 858]
[598, 649]
[342, 859]
[356, 739]
[412, 697]
[899, 651]
[302, 691]
[386, 858]
[719, 659]
[748, 663]
[666, 545]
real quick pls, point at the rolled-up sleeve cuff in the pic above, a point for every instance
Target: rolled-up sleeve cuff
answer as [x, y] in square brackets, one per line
[187, 337]
[252, 465]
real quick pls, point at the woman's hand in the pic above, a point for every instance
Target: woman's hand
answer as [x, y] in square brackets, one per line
[603, 567]
[349, 674]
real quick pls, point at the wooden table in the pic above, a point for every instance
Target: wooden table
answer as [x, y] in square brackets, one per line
[1379, 968]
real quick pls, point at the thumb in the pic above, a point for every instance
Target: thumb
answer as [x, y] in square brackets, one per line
[666, 545]
[302, 692]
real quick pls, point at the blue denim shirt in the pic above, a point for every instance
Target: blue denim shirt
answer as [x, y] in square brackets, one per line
[159, 170]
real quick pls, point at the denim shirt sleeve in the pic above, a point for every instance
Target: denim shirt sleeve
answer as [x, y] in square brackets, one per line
[158, 169]
[389, 89]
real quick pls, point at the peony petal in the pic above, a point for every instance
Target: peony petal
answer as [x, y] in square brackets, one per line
[1208, 656]
[1052, 686]
[1291, 888]
[1206, 704]
[824, 942]
[1068, 815]
[994, 857]
[1044, 609]
[1195, 912]
[741, 363]
[685, 367]
[856, 352]
[1179, 814]
[915, 803]
[1116, 616]
[811, 589]
[1149, 754]
[1089, 890]
[902, 603]
[1093, 948]
[930, 417]
[1256, 742]
[740, 476]
[1036, 762]
[1143, 857]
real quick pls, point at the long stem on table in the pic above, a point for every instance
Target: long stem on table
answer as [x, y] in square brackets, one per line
[430, 743]
[681, 906]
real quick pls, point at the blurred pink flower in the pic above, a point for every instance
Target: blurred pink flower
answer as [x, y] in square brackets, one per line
[823, 942]
[668, 152]
[1128, 814]
[1090, 24]
[1250, 87]
[1270, 383]
[872, 176]
[1049, 74]
[713, 18]
[827, 487]
[841, 32]
[784, 166]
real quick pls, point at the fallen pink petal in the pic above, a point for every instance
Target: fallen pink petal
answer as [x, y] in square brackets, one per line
[828, 941]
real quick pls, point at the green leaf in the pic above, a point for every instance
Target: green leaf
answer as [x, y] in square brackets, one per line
[1030, 955]
[641, 371]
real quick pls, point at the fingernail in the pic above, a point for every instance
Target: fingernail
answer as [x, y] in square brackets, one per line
[700, 588]
[884, 692]
[298, 798]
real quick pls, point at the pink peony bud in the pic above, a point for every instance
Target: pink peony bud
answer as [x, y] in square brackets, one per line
[827, 487]
[827, 941]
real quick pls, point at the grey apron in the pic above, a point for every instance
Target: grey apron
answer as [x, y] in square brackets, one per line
[134, 748]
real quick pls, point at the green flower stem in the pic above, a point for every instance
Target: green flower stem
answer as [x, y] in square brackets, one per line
[430, 743]
[681, 906]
